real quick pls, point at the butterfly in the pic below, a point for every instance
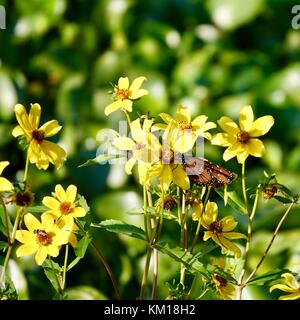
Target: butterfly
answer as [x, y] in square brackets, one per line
[205, 173]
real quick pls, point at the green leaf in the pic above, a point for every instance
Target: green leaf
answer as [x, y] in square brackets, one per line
[101, 159]
[151, 212]
[80, 250]
[267, 277]
[82, 202]
[36, 209]
[3, 245]
[233, 200]
[121, 227]
[52, 274]
[283, 199]
[191, 262]
[8, 291]
[2, 222]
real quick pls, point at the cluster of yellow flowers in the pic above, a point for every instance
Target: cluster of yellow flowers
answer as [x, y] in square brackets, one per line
[57, 226]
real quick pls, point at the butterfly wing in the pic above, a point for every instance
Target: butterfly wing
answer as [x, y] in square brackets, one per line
[205, 173]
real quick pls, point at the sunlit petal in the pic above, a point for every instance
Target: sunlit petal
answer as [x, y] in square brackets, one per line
[246, 118]
[261, 126]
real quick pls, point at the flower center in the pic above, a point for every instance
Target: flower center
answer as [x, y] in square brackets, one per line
[38, 135]
[123, 94]
[139, 146]
[216, 227]
[185, 126]
[221, 280]
[243, 137]
[24, 199]
[269, 191]
[167, 156]
[42, 237]
[65, 208]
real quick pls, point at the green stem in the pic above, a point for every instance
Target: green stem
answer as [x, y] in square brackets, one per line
[145, 214]
[26, 167]
[199, 222]
[65, 268]
[106, 265]
[56, 278]
[249, 236]
[6, 221]
[145, 274]
[128, 118]
[270, 244]
[9, 250]
[183, 240]
[244, 189]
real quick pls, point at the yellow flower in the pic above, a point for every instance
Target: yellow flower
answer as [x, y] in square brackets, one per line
[125, 95]
[5, 185]
[144, 147]
[241, 141]
[63, 206]
[291, 286]
[169, 167]
[40, 151]
[220, 231]
[183, 120]
[226, 289]
[44, 238]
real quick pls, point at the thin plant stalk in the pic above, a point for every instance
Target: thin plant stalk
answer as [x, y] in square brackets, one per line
[65, 268]
[6, 221]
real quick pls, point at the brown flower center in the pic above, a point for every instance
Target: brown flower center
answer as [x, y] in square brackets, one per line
[42, 237]
[221, 280]
[243, 137]
[38, 135]
[65, 208]
[24, 199]
[167, 156]
[185, 126]
[269, 191]
[123, 94]
[216, 227]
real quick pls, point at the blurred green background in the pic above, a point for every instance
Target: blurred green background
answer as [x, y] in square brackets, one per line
[213, 56]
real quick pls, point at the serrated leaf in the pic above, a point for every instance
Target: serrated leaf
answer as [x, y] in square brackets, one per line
[151, 212]
[8, 291]
[121, 227]
[80, 250]
[233, 200]
[82, 202]
[101, 159]
[267, 277]
[51, 274]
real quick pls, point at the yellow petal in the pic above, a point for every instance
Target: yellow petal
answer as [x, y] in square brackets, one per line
[60, 193]
[18, 131]
[246, 118]
[228, 223]
[227, 245]
[79, 212]
[26, 249]
[5, 185]
[229, 126]
[180, 178]
[50, 128]
[242, 156]
[223, 139]
[52, 250]
[283, 287]
[41, 255]
[22, 118]
[147, 125]
[136, 130]
[138, 94]
[210, 214]
[185, 141]
[73, 239]
[166, 117]
[199, 122]
[51, 203]
[261, 126]
[165, 177]
[232, 151]
[123, 83]
[293, 296]
[255, 147]
[47, 223]
[135, 86]
[207, 235]
[129, 165]
[124, 143]
[31, 222]
[34, 115]
[290, 280]
[113, 107]
[143, 172]
[234, 235]
[207, 126]
[158, 126]
[71, 193]
[183, 114]
[53, 153]
[25, 236]
[62, 237]
[127, 105]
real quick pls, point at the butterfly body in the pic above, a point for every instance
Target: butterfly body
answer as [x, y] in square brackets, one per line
[204, 173]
